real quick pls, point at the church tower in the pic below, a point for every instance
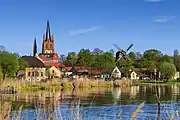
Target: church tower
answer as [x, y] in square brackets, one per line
[48, 41]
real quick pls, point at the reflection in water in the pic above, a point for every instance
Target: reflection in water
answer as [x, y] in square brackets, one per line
[95, 103]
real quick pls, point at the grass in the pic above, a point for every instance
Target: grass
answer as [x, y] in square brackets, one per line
[145, 82]
[56, 84]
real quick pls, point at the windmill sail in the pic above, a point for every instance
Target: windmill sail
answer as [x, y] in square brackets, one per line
[129, 47]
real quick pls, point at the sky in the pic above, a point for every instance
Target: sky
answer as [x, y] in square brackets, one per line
[90, 24]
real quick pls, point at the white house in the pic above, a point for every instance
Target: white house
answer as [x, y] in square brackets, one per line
[134, 76]
[116, 73]
[176, 76]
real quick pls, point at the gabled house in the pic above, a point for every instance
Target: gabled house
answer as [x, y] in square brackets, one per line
[54, 72]
[176, 76]
[116, 73]
[36, 70]
[133, 76]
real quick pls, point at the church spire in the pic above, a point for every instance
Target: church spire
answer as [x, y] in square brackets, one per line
[34, 47]
[48, 32]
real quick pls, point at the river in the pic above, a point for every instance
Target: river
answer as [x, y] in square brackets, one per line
[135, 102]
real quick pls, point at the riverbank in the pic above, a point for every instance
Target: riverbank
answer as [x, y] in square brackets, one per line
[153, 82]
[56, 84]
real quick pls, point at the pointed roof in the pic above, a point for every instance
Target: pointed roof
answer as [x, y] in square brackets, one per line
[34, 47]
[48, 32]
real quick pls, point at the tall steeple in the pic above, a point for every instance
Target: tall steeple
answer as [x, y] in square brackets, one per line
[34, 47]
[48, 41]
[48, 32]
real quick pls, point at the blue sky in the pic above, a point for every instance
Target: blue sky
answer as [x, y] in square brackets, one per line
[90, 24]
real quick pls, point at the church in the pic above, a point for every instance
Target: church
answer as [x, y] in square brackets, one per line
[45, 64]
[48, 56]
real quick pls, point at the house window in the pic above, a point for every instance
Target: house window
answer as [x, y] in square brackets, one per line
[33, 74]
[29, 74]
[41, 74]
[53, 72]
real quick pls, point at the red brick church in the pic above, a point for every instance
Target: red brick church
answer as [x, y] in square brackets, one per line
[48, 55]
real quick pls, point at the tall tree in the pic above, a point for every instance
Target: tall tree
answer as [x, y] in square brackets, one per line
[84, 58]
[176, 59]
[108, 62]
[71, 59]
[34, 47]
[167, 70]
[165, 58]
[8, 63]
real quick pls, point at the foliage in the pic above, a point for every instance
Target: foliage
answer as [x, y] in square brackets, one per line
[71, 59]
[176, 59]
[0, 75]
[8, 63]
[168, 70]
[84, 58]
[165, 58]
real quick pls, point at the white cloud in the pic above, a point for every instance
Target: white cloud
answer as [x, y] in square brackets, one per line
[154, 1]
[163, 19]
[84, 30]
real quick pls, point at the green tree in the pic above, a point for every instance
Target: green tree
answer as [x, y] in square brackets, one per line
[0, 75]
[165, 58]
[176, 59]
[108, 62]
[8, 63]
[167, 70]
[150, 59]
[71, 59]
[84, 58]
[22, 64]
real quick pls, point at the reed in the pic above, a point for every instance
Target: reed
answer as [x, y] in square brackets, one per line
[135, 113]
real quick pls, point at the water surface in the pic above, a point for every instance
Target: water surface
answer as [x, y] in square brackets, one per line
[95, 104]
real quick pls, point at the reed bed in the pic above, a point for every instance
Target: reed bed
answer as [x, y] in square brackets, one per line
[57, 84]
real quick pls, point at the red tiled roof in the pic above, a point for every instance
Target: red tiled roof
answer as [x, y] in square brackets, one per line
[51, 59]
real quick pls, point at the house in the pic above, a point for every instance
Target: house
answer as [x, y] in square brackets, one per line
[54, 72]
[176, 76]
[36, 70]
[82, 72]
[116, 73]
[79, 72]
[68, 71]
[133, 76]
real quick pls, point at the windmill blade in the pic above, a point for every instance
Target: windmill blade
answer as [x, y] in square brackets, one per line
[117, 47]
[117, 59]
[129, 47]
[127, 58]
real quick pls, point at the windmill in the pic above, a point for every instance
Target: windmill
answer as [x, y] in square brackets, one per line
[122, 53]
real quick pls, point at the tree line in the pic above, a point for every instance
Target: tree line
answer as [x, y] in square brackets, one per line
[151, 60]
[104, 61]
